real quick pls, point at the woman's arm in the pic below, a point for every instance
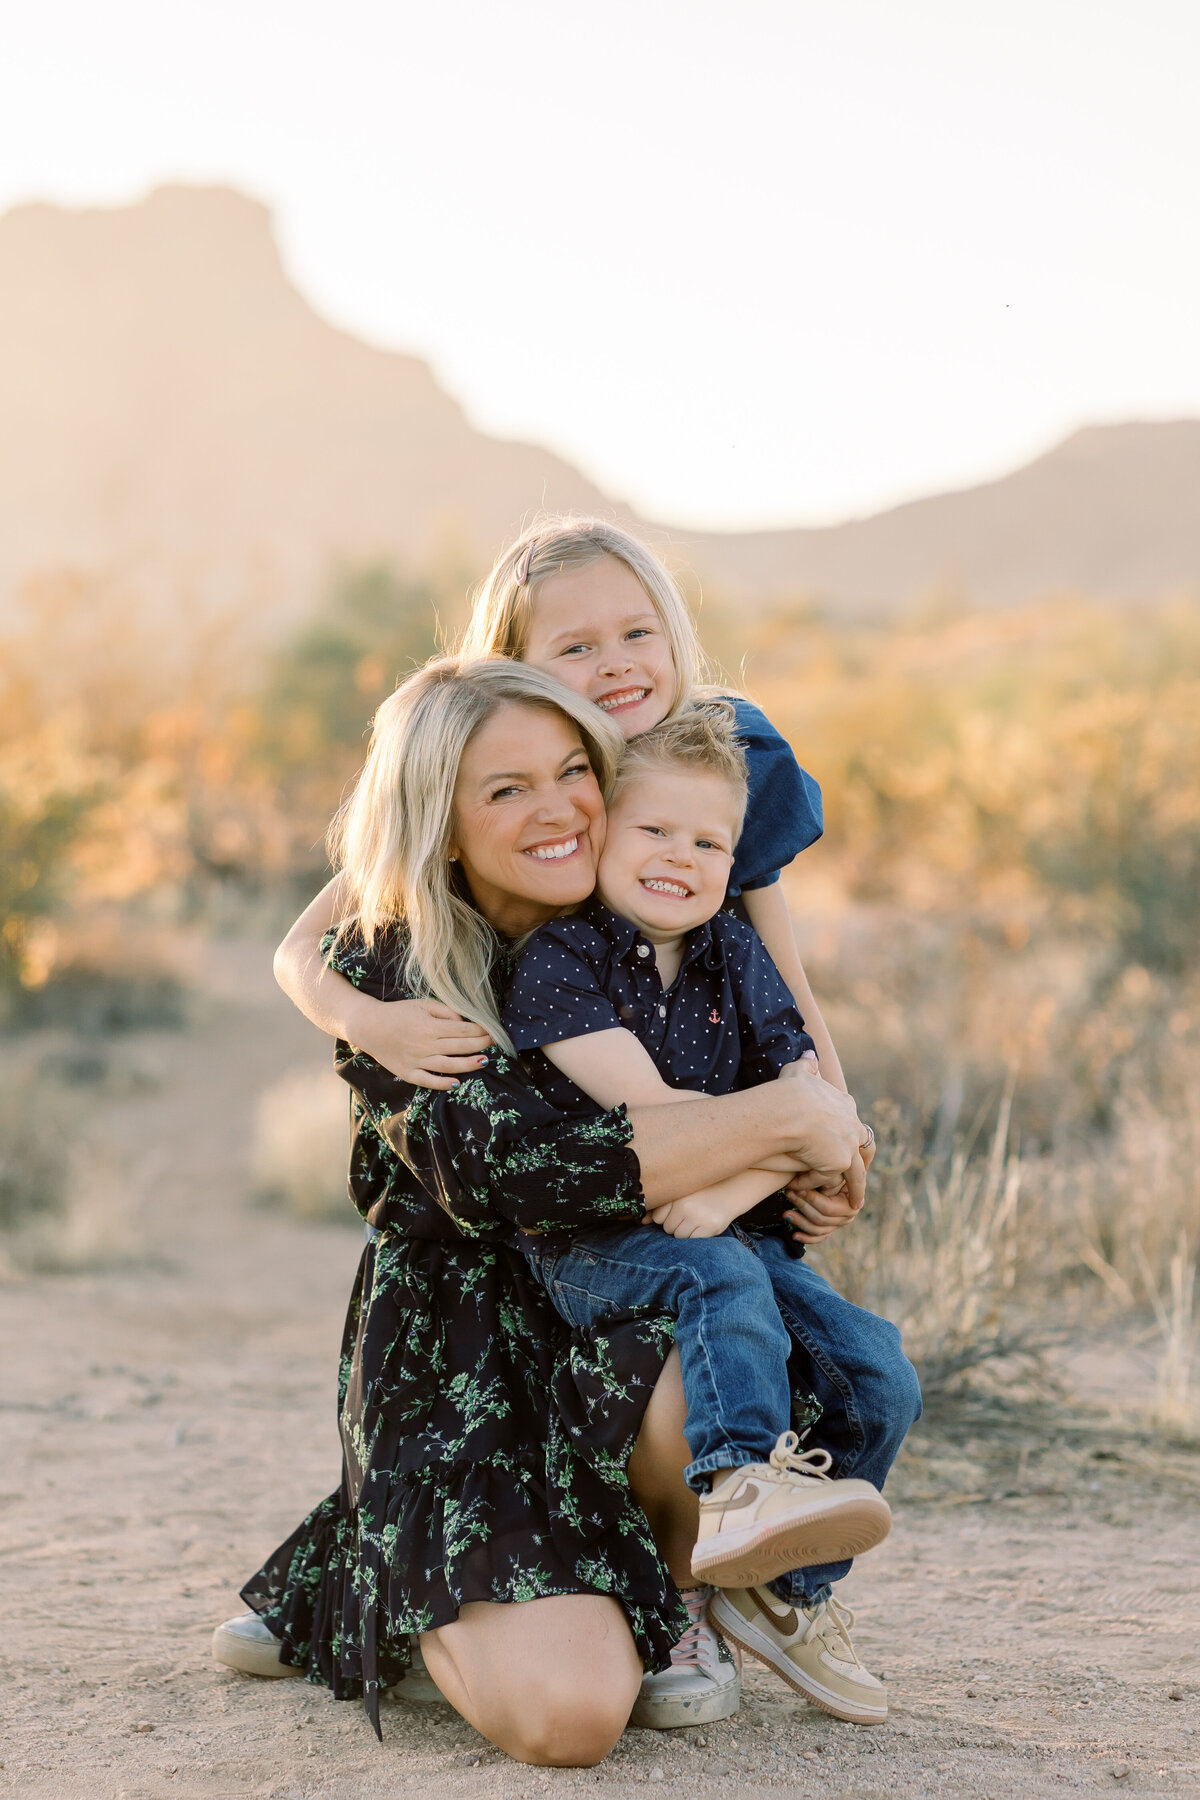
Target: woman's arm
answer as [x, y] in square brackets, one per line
[784, 1126]
[421, 1041]
[766, 909]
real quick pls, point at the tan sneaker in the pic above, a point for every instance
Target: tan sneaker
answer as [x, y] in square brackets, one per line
[809, 1646]
[758, 1521]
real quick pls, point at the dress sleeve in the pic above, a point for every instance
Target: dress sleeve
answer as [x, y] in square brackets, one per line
[556, 992]
[783, 815]
[493, 1149]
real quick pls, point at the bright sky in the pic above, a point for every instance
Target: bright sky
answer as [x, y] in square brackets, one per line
[756, 262]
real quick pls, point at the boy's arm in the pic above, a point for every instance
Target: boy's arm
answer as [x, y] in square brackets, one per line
[612, 1068]
[420, 1041]
[766, 909]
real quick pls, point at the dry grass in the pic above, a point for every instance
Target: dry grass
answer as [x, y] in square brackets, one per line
[298, 1160]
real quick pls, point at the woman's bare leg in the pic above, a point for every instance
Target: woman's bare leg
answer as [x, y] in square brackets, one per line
[656, 1474]
[549, 1681]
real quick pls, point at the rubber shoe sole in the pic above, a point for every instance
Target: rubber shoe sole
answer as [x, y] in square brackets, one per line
[742, 1632]
[671, 1712]
[756, 1554]
[249, 1655]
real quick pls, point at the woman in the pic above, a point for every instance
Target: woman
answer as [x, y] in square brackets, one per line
[484, 1503]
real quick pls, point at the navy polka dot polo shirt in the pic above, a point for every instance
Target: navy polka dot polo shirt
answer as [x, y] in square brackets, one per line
[727, 1021]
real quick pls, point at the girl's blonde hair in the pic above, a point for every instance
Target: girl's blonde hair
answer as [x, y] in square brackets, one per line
[391, 840]
[503, 606]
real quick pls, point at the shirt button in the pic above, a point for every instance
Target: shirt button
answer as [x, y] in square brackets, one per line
[643, 949]
[662, 1012]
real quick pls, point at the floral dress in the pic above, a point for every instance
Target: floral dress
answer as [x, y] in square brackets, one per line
[484, 1445]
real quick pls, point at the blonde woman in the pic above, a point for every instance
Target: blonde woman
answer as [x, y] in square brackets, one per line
[484, 1504]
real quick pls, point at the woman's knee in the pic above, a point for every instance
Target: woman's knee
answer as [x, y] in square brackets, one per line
[561, 1727]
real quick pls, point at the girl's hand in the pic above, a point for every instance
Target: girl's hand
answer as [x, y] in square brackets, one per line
[819, 1208]
[424, 1042]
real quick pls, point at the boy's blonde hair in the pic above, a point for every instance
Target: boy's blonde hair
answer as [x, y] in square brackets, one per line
[391, 840]
[502, 607]
[704, 739]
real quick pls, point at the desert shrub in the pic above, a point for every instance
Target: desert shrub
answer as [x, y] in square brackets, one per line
[99, 1002]
[33, 1151]
[301, 1145]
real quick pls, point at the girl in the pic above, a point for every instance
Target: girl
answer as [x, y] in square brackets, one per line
[589, 604]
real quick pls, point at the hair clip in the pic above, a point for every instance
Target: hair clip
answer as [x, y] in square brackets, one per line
[522, 569]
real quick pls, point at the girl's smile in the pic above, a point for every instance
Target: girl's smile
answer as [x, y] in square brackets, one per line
[596, 630]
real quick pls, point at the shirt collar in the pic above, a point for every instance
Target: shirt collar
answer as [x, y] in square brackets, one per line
[626, 939]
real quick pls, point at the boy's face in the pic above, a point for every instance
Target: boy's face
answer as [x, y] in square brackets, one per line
[667, 856]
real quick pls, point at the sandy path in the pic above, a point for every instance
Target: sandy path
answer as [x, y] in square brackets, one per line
[166, 1424]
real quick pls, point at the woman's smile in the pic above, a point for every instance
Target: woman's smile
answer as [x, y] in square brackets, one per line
[528, 817]
[554, 852]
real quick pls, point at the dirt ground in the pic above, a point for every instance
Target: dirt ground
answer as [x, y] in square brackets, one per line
[168, 1416]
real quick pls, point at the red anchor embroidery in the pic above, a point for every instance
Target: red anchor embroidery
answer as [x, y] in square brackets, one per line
[715, 1016]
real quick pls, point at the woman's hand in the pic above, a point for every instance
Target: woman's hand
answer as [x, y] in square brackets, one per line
[421, 1041]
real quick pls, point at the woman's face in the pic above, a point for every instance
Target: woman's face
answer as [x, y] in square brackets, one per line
[528, 817]
[596, 630]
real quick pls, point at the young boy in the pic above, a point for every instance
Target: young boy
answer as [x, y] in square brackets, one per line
[653, 994]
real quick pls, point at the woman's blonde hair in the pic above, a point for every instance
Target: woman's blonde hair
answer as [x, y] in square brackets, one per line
[503, 606]
[391, 840]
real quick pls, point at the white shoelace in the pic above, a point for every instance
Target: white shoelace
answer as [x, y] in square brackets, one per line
[833, 1620]
[788, 1459]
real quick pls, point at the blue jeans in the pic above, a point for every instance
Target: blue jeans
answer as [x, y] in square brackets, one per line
[753, 1320]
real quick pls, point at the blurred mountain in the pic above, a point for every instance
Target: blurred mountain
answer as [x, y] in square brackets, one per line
[1113, 511]
[173, 410]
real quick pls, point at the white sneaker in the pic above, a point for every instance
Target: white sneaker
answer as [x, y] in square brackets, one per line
[245, 1643]
[703, 1683]
[763, 1519]
[248, 1645]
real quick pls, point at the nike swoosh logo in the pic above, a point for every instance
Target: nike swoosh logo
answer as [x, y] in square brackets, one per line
[747, 1497]
[787, 1622]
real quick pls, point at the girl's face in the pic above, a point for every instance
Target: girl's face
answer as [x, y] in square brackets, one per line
[528, 817]
[596, 629]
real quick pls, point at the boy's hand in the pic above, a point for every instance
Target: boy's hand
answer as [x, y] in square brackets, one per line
[696, 1215]
[806, 1064]
[424, 1042]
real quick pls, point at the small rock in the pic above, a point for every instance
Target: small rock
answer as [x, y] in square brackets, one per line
[143, 1725]
[658, 1773]
[1174, 1693]
[1121, 1774]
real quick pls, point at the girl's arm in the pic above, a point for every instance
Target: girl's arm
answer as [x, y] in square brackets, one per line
[421, 1041]
[766, 909]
